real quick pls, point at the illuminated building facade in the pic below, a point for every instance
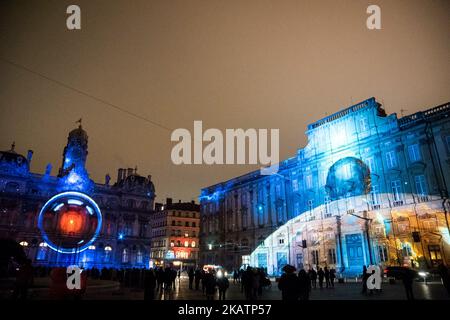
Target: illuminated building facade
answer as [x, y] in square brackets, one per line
[368, 188]
[175, 234]
[69, 218]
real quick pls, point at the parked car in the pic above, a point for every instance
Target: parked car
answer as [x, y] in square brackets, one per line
[398, 272]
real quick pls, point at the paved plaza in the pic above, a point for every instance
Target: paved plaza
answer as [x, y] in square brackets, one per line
[342, 291]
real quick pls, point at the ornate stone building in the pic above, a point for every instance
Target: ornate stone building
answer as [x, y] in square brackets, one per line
[123, 239]
[368, 188]
[175, 234]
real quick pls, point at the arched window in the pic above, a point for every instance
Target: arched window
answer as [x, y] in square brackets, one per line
[107, 256]
[125, 255]
[139, 257]
[42, 251]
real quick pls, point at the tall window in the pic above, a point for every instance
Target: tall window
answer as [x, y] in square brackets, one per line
[294, 185]
[125, 256]
[421, 186]
[42, 251]
[332, 256]
[308, 181]
[139, 257]
[370, 162]
[315, 257]
[383, 253]
[397, 190]
[391, 159]
[327, 206]
[363, 124]
[375, 195]
[414, 153]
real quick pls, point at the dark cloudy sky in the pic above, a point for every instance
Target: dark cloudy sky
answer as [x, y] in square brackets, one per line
[249, 64]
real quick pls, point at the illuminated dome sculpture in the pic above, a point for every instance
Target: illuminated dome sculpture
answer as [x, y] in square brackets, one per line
[348, 177]
[70, 222]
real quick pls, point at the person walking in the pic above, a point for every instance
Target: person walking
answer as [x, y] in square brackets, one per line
[288, 284]
[24, 280]
[197, 278]
[256, 283]
[149, 285]
[365, 276]
[304, 284]
[191, 278]
[222, 285]
[321, 275]
[332, 277]
[210, 285]
[408, 278]
[445, 276]
[313, 276]
[327, 277]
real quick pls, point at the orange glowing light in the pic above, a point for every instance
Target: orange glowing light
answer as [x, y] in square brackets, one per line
[71, 222]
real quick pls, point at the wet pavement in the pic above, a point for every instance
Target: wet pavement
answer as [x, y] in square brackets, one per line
[341, 291]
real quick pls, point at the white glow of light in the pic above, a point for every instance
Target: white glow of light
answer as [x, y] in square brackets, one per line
[91, 212]
[74, 201]
[58, 207]
[219, 274]
[445, 234]
[73, 178]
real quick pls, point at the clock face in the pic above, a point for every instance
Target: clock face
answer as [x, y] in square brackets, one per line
[70, 222]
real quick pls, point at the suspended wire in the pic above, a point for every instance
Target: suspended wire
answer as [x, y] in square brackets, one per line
[86, 94]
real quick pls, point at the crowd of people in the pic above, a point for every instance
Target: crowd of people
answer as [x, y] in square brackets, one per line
[251, 281]
[295, 286]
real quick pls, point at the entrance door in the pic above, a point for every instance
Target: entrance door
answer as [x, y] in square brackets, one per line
[355, 255]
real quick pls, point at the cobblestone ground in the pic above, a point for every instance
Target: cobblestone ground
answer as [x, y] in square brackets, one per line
[344, 291]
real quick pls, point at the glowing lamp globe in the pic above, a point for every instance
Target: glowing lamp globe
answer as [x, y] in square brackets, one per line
[70, 222]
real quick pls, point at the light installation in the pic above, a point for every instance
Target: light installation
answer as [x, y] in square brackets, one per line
[70, 222]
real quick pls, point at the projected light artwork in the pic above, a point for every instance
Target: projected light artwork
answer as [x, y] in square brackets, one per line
[70, 222]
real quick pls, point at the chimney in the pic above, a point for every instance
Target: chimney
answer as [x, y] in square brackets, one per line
[130, 172]
[29, 156]
[119, 174]
[169, 201]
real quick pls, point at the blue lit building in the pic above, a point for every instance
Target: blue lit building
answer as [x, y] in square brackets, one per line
[368, 188]
[68, 218]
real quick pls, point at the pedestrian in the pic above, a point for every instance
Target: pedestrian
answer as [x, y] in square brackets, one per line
[256, 283]
[332, 277]
[149, 285]
[191, 275]
[327, 277]
[321, 275]
[197, 278]
[313, 276]
[210, 285]
[304, 284]
[203, 279]
[445, 276]
[247, 283]
[222, 285]
[24, 280]
[365, 276]
[288, 284]
[408, 278]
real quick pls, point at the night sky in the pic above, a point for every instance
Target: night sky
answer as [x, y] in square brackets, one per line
[232, 64]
